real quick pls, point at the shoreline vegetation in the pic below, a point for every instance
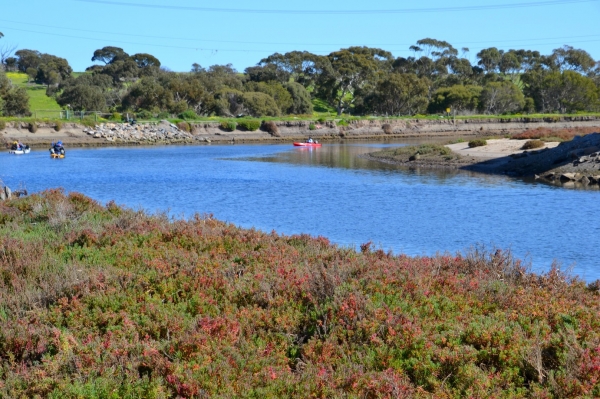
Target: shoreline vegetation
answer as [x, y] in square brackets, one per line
[100, 301]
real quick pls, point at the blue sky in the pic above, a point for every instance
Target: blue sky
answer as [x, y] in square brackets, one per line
[182, 32]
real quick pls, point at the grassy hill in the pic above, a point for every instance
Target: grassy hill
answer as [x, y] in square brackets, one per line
[37, 94]
[100, 301]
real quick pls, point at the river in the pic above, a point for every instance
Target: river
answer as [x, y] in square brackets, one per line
[331, 192]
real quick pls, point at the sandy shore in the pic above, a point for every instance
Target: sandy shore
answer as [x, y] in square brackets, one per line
[495, 148]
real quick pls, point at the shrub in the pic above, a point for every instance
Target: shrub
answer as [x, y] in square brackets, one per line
[387, 128]
[321, 120]
[271, 127]
[531, 144]
[230, 126]
[477, 143]
[143, 114]
[312, 127]
[184, 126]
[2, 125]
[342, 122]
[163, 115]
[57, 126]
[116, 116]
[250, 125]
[189, 114]
[33, 127]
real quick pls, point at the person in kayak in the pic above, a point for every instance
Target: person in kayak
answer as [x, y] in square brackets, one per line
[57, 148]
[310, 140]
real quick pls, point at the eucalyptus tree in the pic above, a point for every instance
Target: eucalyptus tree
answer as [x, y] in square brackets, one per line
[459, 98]
[489, 59]
[566, 92]
[350, 70]
[501, 97]
[299, 66]
[568, 58]
[399, 94]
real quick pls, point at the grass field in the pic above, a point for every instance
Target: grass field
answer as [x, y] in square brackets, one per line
[37, 93]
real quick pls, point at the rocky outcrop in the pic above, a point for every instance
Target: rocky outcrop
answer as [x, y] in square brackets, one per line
[6, 193]
[147, 133]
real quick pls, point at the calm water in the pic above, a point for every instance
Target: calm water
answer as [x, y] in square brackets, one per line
[331, 192]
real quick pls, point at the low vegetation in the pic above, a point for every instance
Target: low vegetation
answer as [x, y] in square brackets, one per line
[532, 144]
[424, 152]
[477, 143]
[102, 301]
[547, 134]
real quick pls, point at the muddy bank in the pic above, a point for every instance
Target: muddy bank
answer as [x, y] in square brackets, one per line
[111, 134]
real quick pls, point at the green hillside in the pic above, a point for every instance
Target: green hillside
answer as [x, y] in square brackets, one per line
[37, 93]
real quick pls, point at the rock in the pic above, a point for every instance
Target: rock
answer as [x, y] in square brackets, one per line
[2, 195]
[7, 192]
[585, 181]
[567, 177]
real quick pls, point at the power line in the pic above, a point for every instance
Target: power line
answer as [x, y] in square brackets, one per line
[339, 12]
[273, 43]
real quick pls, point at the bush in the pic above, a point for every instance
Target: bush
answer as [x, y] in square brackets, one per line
[387, 128]
[2, 125]
[271, 127]
[32, 127]
[189, 114]
[116, 116]
[312, 127]
[230, 126]
[477, 143]
[184, 126]
[163, 115]
[57, 126]
[250, 125]
[531, 144]
[143, 114]
[321, 120]
[342, 122]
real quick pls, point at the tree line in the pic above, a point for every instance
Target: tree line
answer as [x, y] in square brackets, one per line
[354, 80]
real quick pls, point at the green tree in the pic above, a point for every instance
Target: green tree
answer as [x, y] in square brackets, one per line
[568, 58]
[147, 94]
[399, 94]
[458, 97]
[300, 66]
[16, 102]
[349, 70]
[276, 90]
[489, 59]
[83, 98]
[28, 59]
[567, 92]
[109, 54]
[501, 97]
[52, 70]
[301, 102]
[260, 104]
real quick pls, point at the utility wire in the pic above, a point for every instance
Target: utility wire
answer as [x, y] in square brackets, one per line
[214, 50]
[269, 43]
[341, 12]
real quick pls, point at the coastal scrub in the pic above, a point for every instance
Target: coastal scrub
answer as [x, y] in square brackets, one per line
[100, 301]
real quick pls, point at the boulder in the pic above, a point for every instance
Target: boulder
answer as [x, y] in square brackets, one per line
[567, 177]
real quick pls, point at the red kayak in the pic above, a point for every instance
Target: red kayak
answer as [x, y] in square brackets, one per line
[307, 144]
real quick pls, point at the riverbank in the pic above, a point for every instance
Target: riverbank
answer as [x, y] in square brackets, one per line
[164, 132]
[571, 163]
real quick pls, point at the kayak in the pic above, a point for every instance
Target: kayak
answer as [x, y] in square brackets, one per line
[303, 144]
[57, 156]
[20, 152]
